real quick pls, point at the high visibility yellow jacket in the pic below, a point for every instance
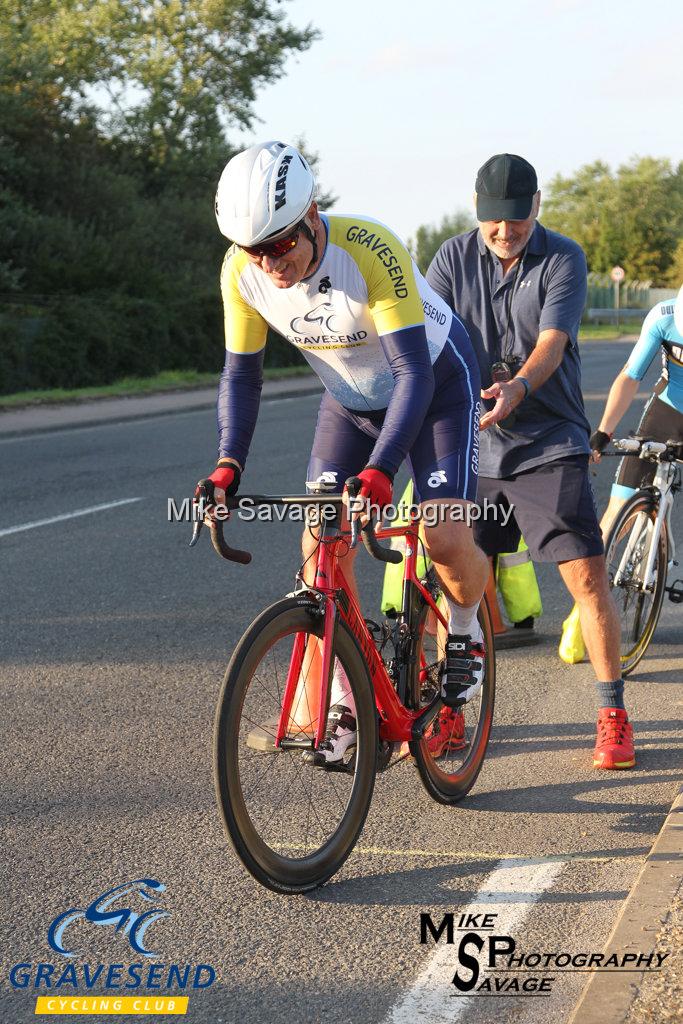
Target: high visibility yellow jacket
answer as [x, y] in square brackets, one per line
[515, 576]
[517, 584]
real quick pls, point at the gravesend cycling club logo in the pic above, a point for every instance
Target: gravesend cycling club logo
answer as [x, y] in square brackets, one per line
[318, 328]
[126, 914]
[123, 919]
[488, 962]
[321, 316]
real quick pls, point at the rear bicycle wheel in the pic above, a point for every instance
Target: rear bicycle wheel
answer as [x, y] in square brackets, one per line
[626, 551]
[451, 754]
[292, 823]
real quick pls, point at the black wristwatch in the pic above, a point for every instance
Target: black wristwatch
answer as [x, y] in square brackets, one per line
[527, 386]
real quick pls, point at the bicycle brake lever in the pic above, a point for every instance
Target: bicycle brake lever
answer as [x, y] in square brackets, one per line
[352, 488]
[202, 498]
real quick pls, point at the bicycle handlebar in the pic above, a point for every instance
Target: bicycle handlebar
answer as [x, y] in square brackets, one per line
[642, 448]
[205, 495]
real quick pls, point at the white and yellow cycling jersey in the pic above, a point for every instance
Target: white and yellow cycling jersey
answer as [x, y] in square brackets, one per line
[366, 286]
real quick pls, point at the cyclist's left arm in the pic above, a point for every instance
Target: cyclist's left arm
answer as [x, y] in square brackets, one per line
[408, 356]
[398, 314]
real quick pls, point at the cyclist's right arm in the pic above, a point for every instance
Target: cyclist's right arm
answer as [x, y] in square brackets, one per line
[625, 385]
[239, 390]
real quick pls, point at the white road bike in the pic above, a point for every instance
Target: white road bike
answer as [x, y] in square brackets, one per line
[640, 548]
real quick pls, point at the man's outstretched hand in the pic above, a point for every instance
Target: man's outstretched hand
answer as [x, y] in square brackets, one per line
[508, 395]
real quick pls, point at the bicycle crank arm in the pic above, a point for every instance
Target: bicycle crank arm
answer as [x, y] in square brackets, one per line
[425, 719]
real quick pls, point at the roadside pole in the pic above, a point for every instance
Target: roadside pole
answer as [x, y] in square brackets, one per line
[617, 274]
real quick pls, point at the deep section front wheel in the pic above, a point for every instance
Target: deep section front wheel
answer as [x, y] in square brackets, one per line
[626, 551]
[292, 822]
[450, 755]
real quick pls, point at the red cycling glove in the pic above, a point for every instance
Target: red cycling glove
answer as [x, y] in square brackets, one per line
[226, 477]
[378, 487]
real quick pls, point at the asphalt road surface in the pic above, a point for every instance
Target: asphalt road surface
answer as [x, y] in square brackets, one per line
[114, 638]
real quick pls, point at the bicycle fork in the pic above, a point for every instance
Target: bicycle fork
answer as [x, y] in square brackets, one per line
[310, 669]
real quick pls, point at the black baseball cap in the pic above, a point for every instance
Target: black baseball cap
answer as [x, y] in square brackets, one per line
[506, 185]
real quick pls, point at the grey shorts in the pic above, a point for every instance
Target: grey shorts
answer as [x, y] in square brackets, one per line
[554, 510]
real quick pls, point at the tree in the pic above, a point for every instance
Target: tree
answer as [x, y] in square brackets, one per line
[633, 217]
[166, 75]
[675, 275]
[114, 120]
[325, 200]
[429, 237]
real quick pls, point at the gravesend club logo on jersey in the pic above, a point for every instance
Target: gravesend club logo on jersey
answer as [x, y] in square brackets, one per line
[320, 316]
[280, 184]
[318, 328]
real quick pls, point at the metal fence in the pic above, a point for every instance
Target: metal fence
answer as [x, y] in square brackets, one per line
[633, 295]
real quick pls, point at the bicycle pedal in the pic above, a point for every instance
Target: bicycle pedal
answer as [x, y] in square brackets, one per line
[675, 592]
[262, 738]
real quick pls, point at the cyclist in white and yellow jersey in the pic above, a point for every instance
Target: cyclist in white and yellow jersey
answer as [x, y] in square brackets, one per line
[401, 379]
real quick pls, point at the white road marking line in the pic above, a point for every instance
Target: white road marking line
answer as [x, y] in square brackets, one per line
[510, 891]
[67, 515]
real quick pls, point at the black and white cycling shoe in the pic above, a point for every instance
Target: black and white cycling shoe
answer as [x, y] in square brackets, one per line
[340, 738]
[464, 669]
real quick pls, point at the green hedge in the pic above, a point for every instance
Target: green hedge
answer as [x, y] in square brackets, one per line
[82, 341]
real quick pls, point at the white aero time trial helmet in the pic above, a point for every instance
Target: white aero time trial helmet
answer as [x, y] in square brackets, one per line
[263, 193]
[678, 311]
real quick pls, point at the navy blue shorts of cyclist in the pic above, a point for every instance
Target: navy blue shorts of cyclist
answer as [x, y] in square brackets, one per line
[443, 460]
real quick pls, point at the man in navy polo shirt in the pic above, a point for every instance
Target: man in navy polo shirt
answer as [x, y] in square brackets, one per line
[520, 291]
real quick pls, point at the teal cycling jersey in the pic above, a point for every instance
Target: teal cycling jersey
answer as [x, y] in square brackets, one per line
[659, 334]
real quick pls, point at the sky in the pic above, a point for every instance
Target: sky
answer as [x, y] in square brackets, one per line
[403, 101]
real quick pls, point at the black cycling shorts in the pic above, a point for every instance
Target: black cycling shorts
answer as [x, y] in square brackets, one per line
[660, 422]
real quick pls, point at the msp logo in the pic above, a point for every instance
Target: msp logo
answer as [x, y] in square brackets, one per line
[107, 910]
[489, 964]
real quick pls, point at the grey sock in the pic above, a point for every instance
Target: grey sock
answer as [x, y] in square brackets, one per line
[611, 695]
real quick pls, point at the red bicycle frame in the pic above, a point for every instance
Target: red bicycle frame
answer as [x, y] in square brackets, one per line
[397, 723]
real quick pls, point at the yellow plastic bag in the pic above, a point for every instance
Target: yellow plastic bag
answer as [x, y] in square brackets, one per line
[572, 649]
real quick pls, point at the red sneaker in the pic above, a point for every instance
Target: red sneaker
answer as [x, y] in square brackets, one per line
[448, 733]
[614, 745]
